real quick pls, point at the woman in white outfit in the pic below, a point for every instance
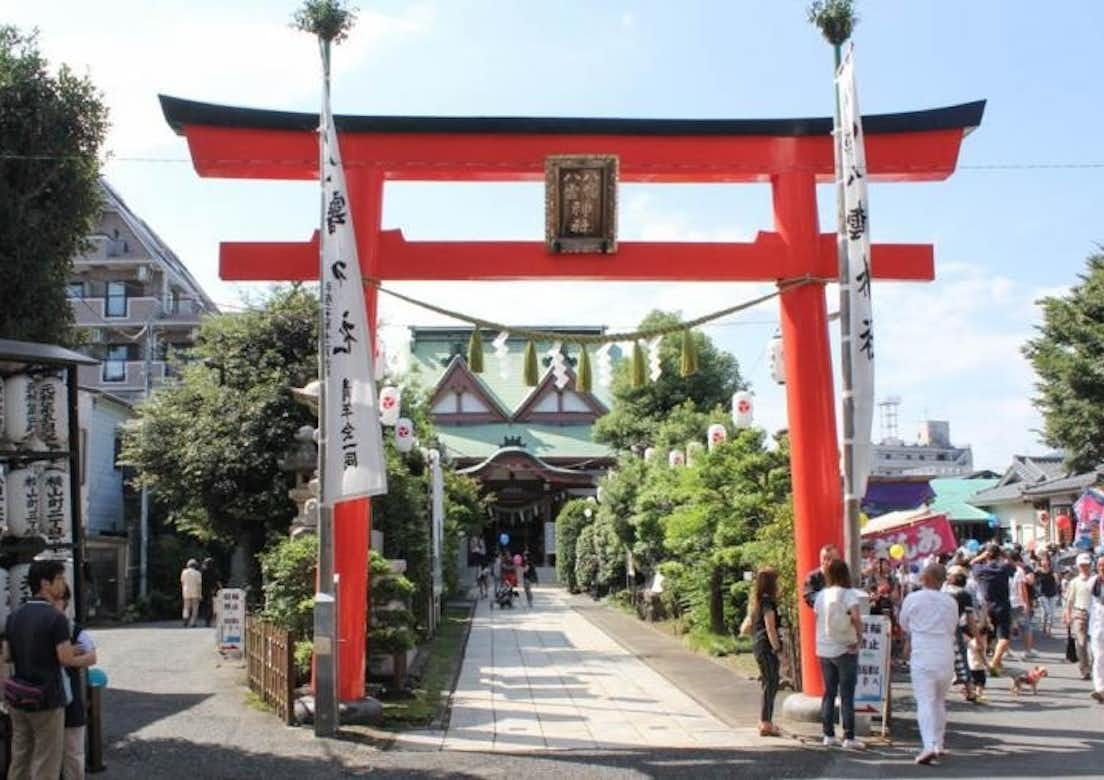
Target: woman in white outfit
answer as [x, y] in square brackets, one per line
[930, 617]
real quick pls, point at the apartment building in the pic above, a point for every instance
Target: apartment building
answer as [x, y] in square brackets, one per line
[136, 300]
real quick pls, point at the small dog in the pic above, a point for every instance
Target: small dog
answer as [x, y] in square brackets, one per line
[1021, 681]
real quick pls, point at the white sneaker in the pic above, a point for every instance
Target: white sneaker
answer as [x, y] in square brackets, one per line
[853, 744]
[1030, 654]
[830, 742]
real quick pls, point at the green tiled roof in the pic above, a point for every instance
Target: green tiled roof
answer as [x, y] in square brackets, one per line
[433, 348]
[951, 495]
[544, 441]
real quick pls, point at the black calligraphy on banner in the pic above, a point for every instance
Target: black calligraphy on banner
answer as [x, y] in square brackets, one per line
[336, 212]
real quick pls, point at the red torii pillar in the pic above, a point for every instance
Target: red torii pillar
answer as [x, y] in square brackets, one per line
[793, 155]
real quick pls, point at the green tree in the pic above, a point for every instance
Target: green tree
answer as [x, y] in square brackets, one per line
[637, 412]
[208, 446]
[1068, 357]
[569, 524]
[51, 130]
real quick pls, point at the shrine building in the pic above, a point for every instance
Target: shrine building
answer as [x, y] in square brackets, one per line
[529, 446]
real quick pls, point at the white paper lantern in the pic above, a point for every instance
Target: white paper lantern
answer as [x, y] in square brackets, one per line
[390, 401]
[676, 458]
[743, 409]
[716, 434]
[3, 494]
[5, 602]
[19, 592]
[53, 413]
[777, 361]
[57, 523]
[649, 454]
[20, 408]
[404, 434]
[693, 449]
[24, 507]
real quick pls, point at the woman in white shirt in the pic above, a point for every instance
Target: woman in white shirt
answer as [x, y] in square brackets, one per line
[839, 626]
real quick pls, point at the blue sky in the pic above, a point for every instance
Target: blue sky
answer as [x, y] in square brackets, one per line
[1005, 233]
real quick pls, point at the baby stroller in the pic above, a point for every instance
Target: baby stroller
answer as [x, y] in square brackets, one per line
[506, 591]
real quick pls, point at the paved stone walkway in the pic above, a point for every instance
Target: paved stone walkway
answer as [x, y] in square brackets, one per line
[546, 678]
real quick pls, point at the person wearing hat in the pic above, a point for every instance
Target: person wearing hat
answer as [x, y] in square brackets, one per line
[1078, 602]
[191, 591]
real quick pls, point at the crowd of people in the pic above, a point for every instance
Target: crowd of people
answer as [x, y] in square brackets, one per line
[953, 619]
[503, 574]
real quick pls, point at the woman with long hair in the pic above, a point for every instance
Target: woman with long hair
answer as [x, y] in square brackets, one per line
[767, 644]
[839, 627]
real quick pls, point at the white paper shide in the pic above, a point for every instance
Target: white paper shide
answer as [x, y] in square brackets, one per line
[354, 461]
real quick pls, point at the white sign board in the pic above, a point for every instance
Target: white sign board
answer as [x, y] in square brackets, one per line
[872, 686]
[231, 620]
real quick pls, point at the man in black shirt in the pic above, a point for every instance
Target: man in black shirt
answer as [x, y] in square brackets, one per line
[992, 571]
[38, 647]
[816, 580]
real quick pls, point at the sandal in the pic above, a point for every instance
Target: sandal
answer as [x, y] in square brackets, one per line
[770, 731]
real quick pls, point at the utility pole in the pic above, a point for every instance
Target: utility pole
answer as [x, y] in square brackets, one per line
[143, 530]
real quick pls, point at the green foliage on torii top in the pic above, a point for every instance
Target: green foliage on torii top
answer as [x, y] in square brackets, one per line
[1068, 357]
[636, 413]
[52, 129]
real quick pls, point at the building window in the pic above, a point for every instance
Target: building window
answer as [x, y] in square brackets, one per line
[74, 290]
[115, 305]
[114, 364]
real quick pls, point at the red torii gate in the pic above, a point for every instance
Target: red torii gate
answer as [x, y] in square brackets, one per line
[793, 155]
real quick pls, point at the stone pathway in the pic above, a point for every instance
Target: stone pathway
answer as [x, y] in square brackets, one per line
[545, 678]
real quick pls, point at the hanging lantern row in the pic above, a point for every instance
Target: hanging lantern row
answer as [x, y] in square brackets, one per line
[715, 435]
[645, 366]
[35, 502]
[390, 405]
[33, 411]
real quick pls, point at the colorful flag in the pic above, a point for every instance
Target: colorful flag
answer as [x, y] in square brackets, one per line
[353, 442]
[856, 233]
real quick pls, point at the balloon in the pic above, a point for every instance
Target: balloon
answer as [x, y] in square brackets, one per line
[993, 522]
[504, 539]
[897, 552]
[97, 677]
[517, 560]
[973, 545]
[864, 518]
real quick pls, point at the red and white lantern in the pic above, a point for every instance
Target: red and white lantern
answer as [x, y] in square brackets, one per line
[716, 434]
[404, 434]
[390, 401]
[777, 360]
[743, 409]
[649, 454]
[379, 365]
[676, 458]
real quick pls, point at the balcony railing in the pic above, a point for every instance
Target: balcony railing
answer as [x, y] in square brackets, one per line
[92, 312]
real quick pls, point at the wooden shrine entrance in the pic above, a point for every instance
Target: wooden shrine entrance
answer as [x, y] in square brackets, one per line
[793, 155]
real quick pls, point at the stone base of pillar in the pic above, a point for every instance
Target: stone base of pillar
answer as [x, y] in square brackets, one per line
[803, 708]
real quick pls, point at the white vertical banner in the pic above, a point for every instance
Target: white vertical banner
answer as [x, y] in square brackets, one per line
[437, 506]
[860, 345]
[354, 460]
